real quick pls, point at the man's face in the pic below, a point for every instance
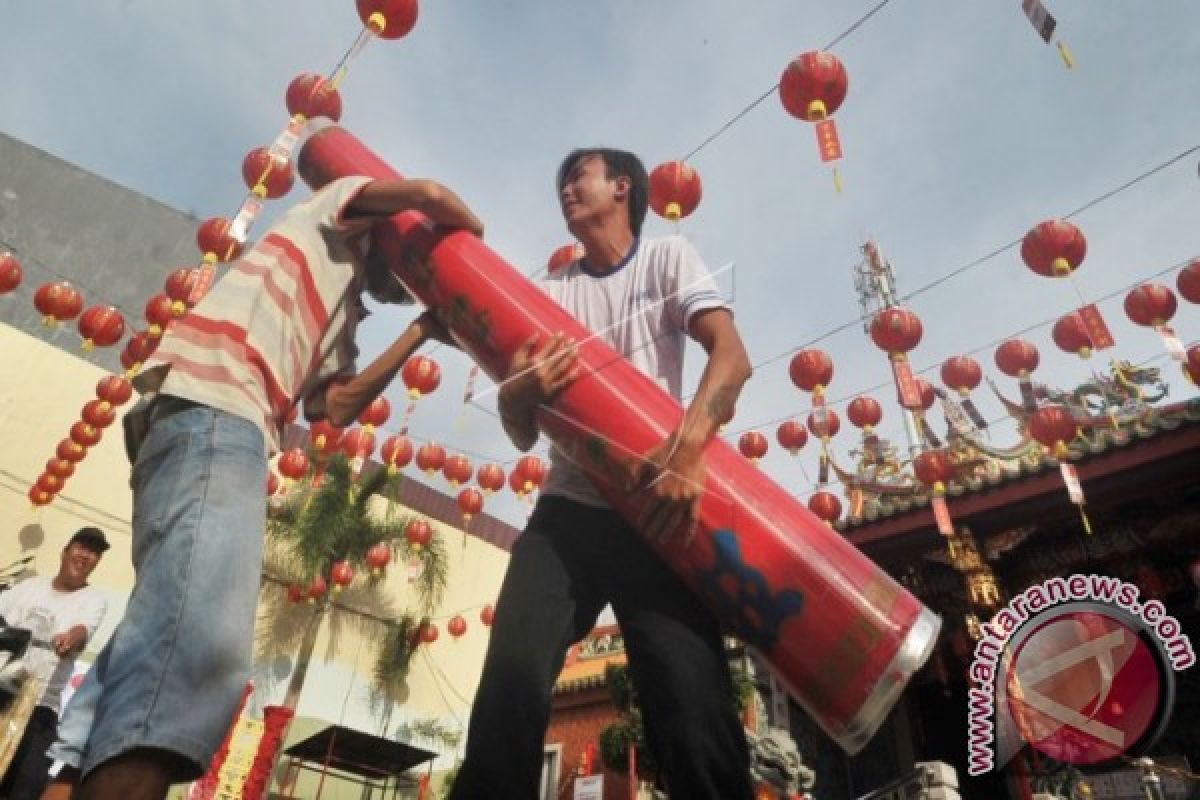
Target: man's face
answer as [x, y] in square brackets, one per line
[78, 561]
[588, 195]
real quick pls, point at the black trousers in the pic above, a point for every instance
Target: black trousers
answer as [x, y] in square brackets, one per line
[29, 772]
[569, 563]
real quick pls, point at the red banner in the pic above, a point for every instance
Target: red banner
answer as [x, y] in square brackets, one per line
[1097, 328]
[906, 386]
[941, 513]
[827, 140]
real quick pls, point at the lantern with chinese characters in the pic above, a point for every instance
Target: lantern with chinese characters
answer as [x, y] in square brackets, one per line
[532, 471]
[457, 626]
[564, 257]
[397, 452]
[378, 556]
[812, 88]
[158, 314]
[470, 503]
[1018, 359]
[10, 273]
[1054, 427]
[487, 615]
[418, 533]
[325, 437]
[342, 575]
[421, 375]
[431, 456]
[216, 241]
[811, 370]
[85, 435]
[57, 302]
[490, 478]
[1054, 248]
[101, 326]
[115, 390]
[293, 464]
[825, 505]
[675, 190]
[98, 413]
[1188, 282]
[864, 412]
[753, 445]
[1071, 335]
[310, 96]
[457, 469]
[179, 285]
[139, 347]
[791, 435]
[388, 19]
[375, 414]
[267, 174]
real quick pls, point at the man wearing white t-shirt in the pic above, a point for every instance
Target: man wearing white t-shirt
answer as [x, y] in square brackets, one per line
[576, 555]
[62, 613]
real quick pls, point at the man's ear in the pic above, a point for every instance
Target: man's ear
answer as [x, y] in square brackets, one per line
[623, 185]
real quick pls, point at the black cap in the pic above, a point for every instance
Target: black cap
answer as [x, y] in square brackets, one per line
[91, 538]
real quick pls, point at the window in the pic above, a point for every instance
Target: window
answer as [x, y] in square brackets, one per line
[551, 765]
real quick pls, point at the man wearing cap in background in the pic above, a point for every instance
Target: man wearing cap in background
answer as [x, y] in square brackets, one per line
[61, 613]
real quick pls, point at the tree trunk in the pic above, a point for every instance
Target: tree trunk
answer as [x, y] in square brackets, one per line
[304, 657]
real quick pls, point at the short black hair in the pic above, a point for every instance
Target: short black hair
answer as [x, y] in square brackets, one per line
[90, 537]
[617, 164]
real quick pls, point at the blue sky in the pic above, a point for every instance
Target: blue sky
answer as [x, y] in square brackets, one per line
[961, 130]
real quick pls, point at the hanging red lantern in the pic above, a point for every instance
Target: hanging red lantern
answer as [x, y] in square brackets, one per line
[70, 450]
[388, 19]
[98, 414]
[421, 375]
[962, 374]
[114, 390]
[49, 483]
[934, 468]
[325, 436]
[310, 96]
[428, 632]
[158, 314]
[378, 556]
[813, 86]
[896, 330]
[342, 575]
[431, 456]
[60, 468]
[1054, 248]
[753, 445]
[316, 589]
[825, 505]
[293, 464]
[490, 478]
[1151, 305]
[1054, 427]
[272, 483]
[375, 414]
[532, 471]
[516, 482]
[1191, 364]
[1188, 282]
[40, 497]
[925, 394]
[10, 273]
[85, 435]
[216, 241]
[139, 347]
[864, 412]
[791, 435]
[457, 469]
[811, 370]
[1071, 335]
[824, 424]
[101, 326]
[295, 593]
[1017, 358]
[470, 502]
[358, 443]
[487, 615]
[397, 452]
[563, 257]
[418, 533]
[179, 285]
[675, 190]
[457, 626]
[266, 174]
[57, 302]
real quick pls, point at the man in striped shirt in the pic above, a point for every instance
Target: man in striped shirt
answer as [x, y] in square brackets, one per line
[276, 331]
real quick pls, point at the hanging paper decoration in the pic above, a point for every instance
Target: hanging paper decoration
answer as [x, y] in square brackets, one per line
[675, 190]
[934, 468]
[430, 458]
[1018, 358]
[1054, 427]
[864, 412]
[470, 503]
[418, 533]
[457, 626]
[10, 273]
[397, 452]
[825, 505]
[266, 174]
[753, 445]
[1054, 248]
[101, 326]
[564, 257]
[1152, 305]
[812, 88]
[310, 96]
[57, 302]
[388, 19]
[791, 435]
[1188, 282]
[1044, 23]
[378, 556]
[457, 469]
[896, 331]
[490, 478]
[375, 414]
[963, 374]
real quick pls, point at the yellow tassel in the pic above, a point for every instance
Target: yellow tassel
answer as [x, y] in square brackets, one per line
[1065, 53]
[837, 180]
[1087, 525]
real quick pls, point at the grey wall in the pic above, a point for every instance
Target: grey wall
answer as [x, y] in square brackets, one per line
[115, 245]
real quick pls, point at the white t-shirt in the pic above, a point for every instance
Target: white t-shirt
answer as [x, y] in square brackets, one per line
[35, 604]
[641, 309]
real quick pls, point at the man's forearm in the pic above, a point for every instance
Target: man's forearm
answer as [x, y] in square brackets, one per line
[726, 373]
[345, 401]
[519, 423]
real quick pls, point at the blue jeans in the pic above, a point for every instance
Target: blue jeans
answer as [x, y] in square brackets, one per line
[172, 674]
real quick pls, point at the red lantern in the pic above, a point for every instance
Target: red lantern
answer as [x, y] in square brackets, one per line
[457, 469]
[824, 423]
[1150, 304]
[418, 533]
[926, 393]
[430, 458]
[101, 325]
[896, 330]
[564, 256]
[139, 347]
[10, 273]
[158, 314]
[215, 241]
[516, 482]
[933, 468]
[293, 464]
[114, 390]
[272, 483]
[813, 86]
[1188, 282]
[295, 593]
[57, 302]
[70, 450]
[961, 373]
[179, 285]
[791, 435]
[753, 445]
[378, 556]
[864, 412]
[60, 468]
[1192, 358]
[310, 96]
[1071, 335]
[532, 471]
[429, 632]
[421, 375]
[325, 436]
[267, 175]
[457, 626]
[825, 505]
[39, 497]
[487, 615]
[388, 19]
[358, 443]
[675, 190]
[316, 588]
[490, 478]
[470, 502]
[397, 451]
[342, 574]
[811, 370]
[375, 414]
[1017, 358]
[1054, 427]
[1054, 248]
[98, 414]
[49, 483]
[84, 434]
